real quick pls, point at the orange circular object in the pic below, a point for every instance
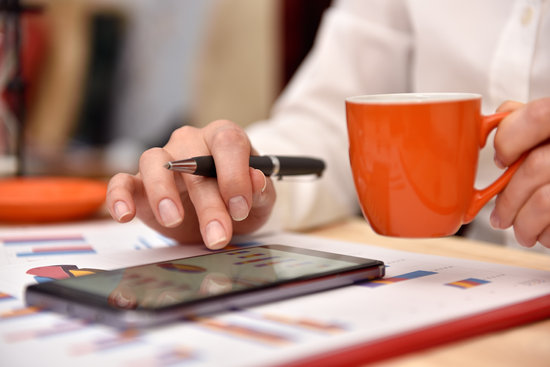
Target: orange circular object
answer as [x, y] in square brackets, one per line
[49, 199]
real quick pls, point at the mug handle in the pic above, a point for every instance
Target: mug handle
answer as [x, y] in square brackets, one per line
[481, 197]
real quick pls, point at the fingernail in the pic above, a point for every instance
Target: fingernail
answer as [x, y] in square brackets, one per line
[169, 213]
[215, 235]
[212, 286]
[499, 163]
[122, 301]
[238, 208]
[525, 244]
[121, 210]
[265, 183]
[495, 220]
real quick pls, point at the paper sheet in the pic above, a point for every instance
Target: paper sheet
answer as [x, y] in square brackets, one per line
[418, 291]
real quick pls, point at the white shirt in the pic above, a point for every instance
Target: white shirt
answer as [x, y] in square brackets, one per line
[497, 48]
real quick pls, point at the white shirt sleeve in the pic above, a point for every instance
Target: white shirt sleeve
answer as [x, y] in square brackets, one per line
[309, 118]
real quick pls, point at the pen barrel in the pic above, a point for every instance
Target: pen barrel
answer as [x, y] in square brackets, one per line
[294, 166]
[263, 163]
[204, 166]
[269, 165]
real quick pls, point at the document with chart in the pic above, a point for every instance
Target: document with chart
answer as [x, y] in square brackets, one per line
[422, 297]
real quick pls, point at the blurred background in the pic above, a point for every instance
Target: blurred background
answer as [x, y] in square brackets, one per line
[88, 85]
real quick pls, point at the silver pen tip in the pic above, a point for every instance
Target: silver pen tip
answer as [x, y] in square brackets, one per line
[168, 165]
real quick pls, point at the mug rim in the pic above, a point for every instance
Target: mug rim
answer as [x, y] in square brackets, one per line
[412, 98]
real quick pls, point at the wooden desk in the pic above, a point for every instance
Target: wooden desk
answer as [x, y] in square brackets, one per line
[528, 345]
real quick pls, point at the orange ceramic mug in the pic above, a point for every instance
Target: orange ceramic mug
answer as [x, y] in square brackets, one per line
[414, 160]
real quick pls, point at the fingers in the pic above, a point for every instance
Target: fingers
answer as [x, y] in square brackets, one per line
[522, 130]
[184, 205]
[509, 106]
[229, 197]
[262, 203]
[160, 187]
[225, 202]
[214, 221]
[119, 199]
[544, 237]
[525, 202]
[215, 283]
[532, 221]
[231, 150]
[122, 297]
[264, 194]
[530, 177]
[259, 184]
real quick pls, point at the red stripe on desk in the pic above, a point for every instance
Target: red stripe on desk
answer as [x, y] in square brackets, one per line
[490, 321]
[62, 248]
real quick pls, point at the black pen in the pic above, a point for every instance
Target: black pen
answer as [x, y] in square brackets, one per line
[270, 165]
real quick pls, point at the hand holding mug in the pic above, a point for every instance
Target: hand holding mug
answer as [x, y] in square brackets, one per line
[525, 202]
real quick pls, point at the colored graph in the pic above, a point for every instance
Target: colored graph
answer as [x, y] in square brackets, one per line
[121, 339]
[19, 312]
[35, 246]
[260, 259]
[398, 278]
[169, 357]
[245, 332]
[53, 272]
[467, 283]
[182, 268]
[238, 252]
[59, 250]
[5, 296]
[255, 260]
[144, 242]
[306, 323]
[33, 240]
[246, 254]
[237, 246]
[44, 332]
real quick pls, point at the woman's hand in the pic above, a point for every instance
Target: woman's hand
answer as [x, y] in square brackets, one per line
[525, 202]
[193, 208]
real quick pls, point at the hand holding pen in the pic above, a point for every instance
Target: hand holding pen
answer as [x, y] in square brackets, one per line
[192, 209]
